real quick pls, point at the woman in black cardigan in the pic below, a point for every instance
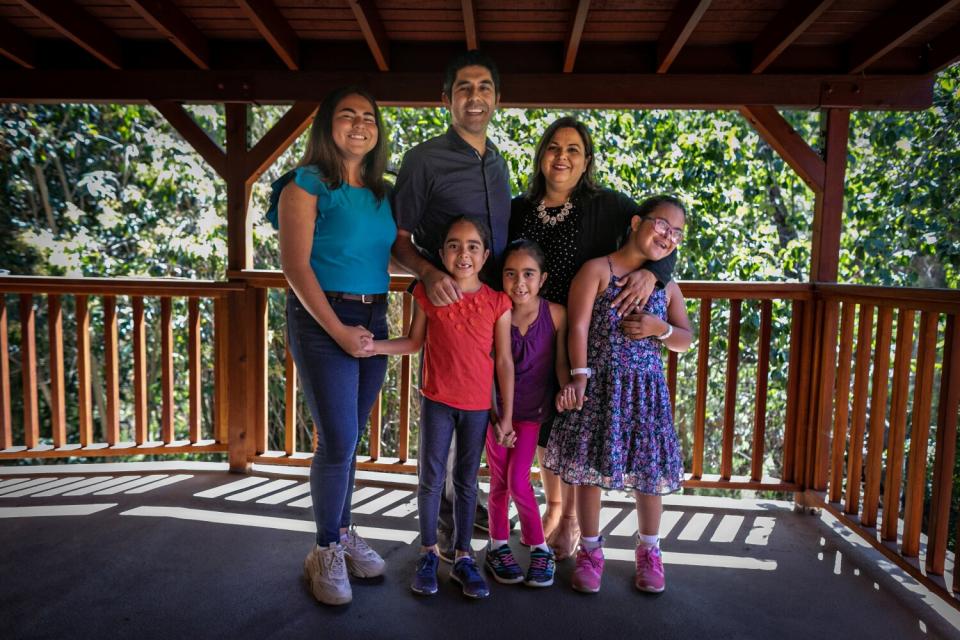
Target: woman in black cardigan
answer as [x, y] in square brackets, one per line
[575, 220]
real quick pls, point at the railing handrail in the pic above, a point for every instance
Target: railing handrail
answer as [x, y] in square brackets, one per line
[162, 287]
[917, 298]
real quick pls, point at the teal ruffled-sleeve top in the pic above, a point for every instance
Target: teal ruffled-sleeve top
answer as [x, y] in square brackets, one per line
[352, 235]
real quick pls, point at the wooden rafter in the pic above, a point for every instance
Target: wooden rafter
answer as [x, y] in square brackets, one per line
[280, 136]
[778, 133]
[944, 50]
[786, 27]
[683, 21]
[576, 33]
[17, 46]
[165, 17]
[275, 29]
[373, 32]
[80, 27]
[470, 24]
[889, 31]
[194, 134]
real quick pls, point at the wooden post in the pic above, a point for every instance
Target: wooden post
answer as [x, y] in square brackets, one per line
[828, 209]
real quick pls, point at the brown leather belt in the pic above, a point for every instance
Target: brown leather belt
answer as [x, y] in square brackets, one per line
[365, 298]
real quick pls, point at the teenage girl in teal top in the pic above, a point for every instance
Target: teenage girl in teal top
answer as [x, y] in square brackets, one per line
[336, 230]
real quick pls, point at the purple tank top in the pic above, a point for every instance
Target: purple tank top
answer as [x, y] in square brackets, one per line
[534, 360]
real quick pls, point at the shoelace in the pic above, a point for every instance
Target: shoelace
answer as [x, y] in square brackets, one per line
[538, 564]
[424, 567]
[588, 553]
[357, 542]
[471, 571]
[334, 563]
[506, 558]
[647, 561]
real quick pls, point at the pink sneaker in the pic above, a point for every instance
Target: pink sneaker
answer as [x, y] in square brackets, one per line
[589, 570]
[649, 569]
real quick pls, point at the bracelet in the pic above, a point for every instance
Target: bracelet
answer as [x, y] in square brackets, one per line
[666, 334]
[587, 371]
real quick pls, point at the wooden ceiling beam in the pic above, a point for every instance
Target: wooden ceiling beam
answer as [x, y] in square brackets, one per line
[686, 14]
[275, 30]
[195, 135]
[576, 34]
[944, 50]
[17, 46]
[80, 27]
[889, 31]
[470, 25]
[784, 139]
[561, 90]
[786, 27]
[373, 32]
[165, 17]
[280, 136]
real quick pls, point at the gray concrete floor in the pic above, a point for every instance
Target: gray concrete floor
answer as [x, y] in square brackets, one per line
[189, 553]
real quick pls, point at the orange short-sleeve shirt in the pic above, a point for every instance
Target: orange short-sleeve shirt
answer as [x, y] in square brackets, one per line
[458, 348]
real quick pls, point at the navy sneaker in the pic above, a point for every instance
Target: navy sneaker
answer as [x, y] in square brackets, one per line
[425, 579]
[501, 563]
[541, 569]
[472, 584]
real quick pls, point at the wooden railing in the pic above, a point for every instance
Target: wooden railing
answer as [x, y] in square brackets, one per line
[838, 429]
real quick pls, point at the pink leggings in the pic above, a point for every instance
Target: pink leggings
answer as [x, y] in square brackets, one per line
[510, 478]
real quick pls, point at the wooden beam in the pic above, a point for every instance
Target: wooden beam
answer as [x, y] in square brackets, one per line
[165, 17]
[576, 33]
[281, 135]
[886, 33]
[470, 25]
[561, 90]
[275, 30]
[786, 27]
[828, 208]
[373, 32]
[17, 46]
[194, 134]
[944, 50]
[239, 226]
[778, 133]
[683, 21]
[80, 27]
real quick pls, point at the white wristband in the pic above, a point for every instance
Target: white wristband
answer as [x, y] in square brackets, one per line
[587, 371]
[666, 334]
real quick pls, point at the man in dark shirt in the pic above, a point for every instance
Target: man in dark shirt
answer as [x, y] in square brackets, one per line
[455, 174]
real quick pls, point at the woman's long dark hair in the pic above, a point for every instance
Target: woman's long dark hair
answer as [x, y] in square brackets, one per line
[322, 150]
[587, 184]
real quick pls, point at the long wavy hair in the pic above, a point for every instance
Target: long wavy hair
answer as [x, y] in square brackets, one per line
[322, 151]
[587, 184]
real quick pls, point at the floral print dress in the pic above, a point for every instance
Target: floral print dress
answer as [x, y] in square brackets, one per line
[623, 438]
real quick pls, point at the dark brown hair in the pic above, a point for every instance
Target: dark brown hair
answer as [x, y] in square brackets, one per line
[587, 184]
[322, 151]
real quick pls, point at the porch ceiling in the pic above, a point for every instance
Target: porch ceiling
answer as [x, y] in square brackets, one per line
[679, 53]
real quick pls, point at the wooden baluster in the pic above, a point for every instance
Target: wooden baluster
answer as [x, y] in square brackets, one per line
[290, 402]
[193, 359]
[6, 413]
[730, 394]
[221, 378]
[827, 368]
[878, 410]
[903, 354]
[763, 376]
[28, 369]
[258, 299]
[141, 426]
[858, 422]
[793, 387]
[403, 439]
[58, 411]
[84, 389]
[111, 365]
[375, 429]
[842, 401]
[672, 362]
[946, 449]
[805, 374]
[166, 370]
[919, 434]
[700, 409]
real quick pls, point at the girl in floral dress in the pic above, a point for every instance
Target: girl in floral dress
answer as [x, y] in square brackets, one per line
[617, 429]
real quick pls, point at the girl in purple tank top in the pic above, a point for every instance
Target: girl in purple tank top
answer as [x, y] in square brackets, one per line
[538, 343]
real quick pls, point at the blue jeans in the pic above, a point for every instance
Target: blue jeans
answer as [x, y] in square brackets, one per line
[340, 390]
[438, 424]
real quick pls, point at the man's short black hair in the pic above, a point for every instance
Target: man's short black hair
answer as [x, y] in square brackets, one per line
[469, 59]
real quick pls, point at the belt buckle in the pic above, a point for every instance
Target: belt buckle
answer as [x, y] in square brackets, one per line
[366, 298]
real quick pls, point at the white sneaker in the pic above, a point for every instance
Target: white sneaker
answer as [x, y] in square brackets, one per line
[362, 561]
[325, 571]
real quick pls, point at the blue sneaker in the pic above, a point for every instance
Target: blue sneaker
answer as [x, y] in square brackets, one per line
[542, 567]
[425, 579]
[472, 584]
[501, 563]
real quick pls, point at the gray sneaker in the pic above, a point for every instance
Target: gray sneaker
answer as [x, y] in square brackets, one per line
[362, 561]
[445, 545]
[325, 570]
